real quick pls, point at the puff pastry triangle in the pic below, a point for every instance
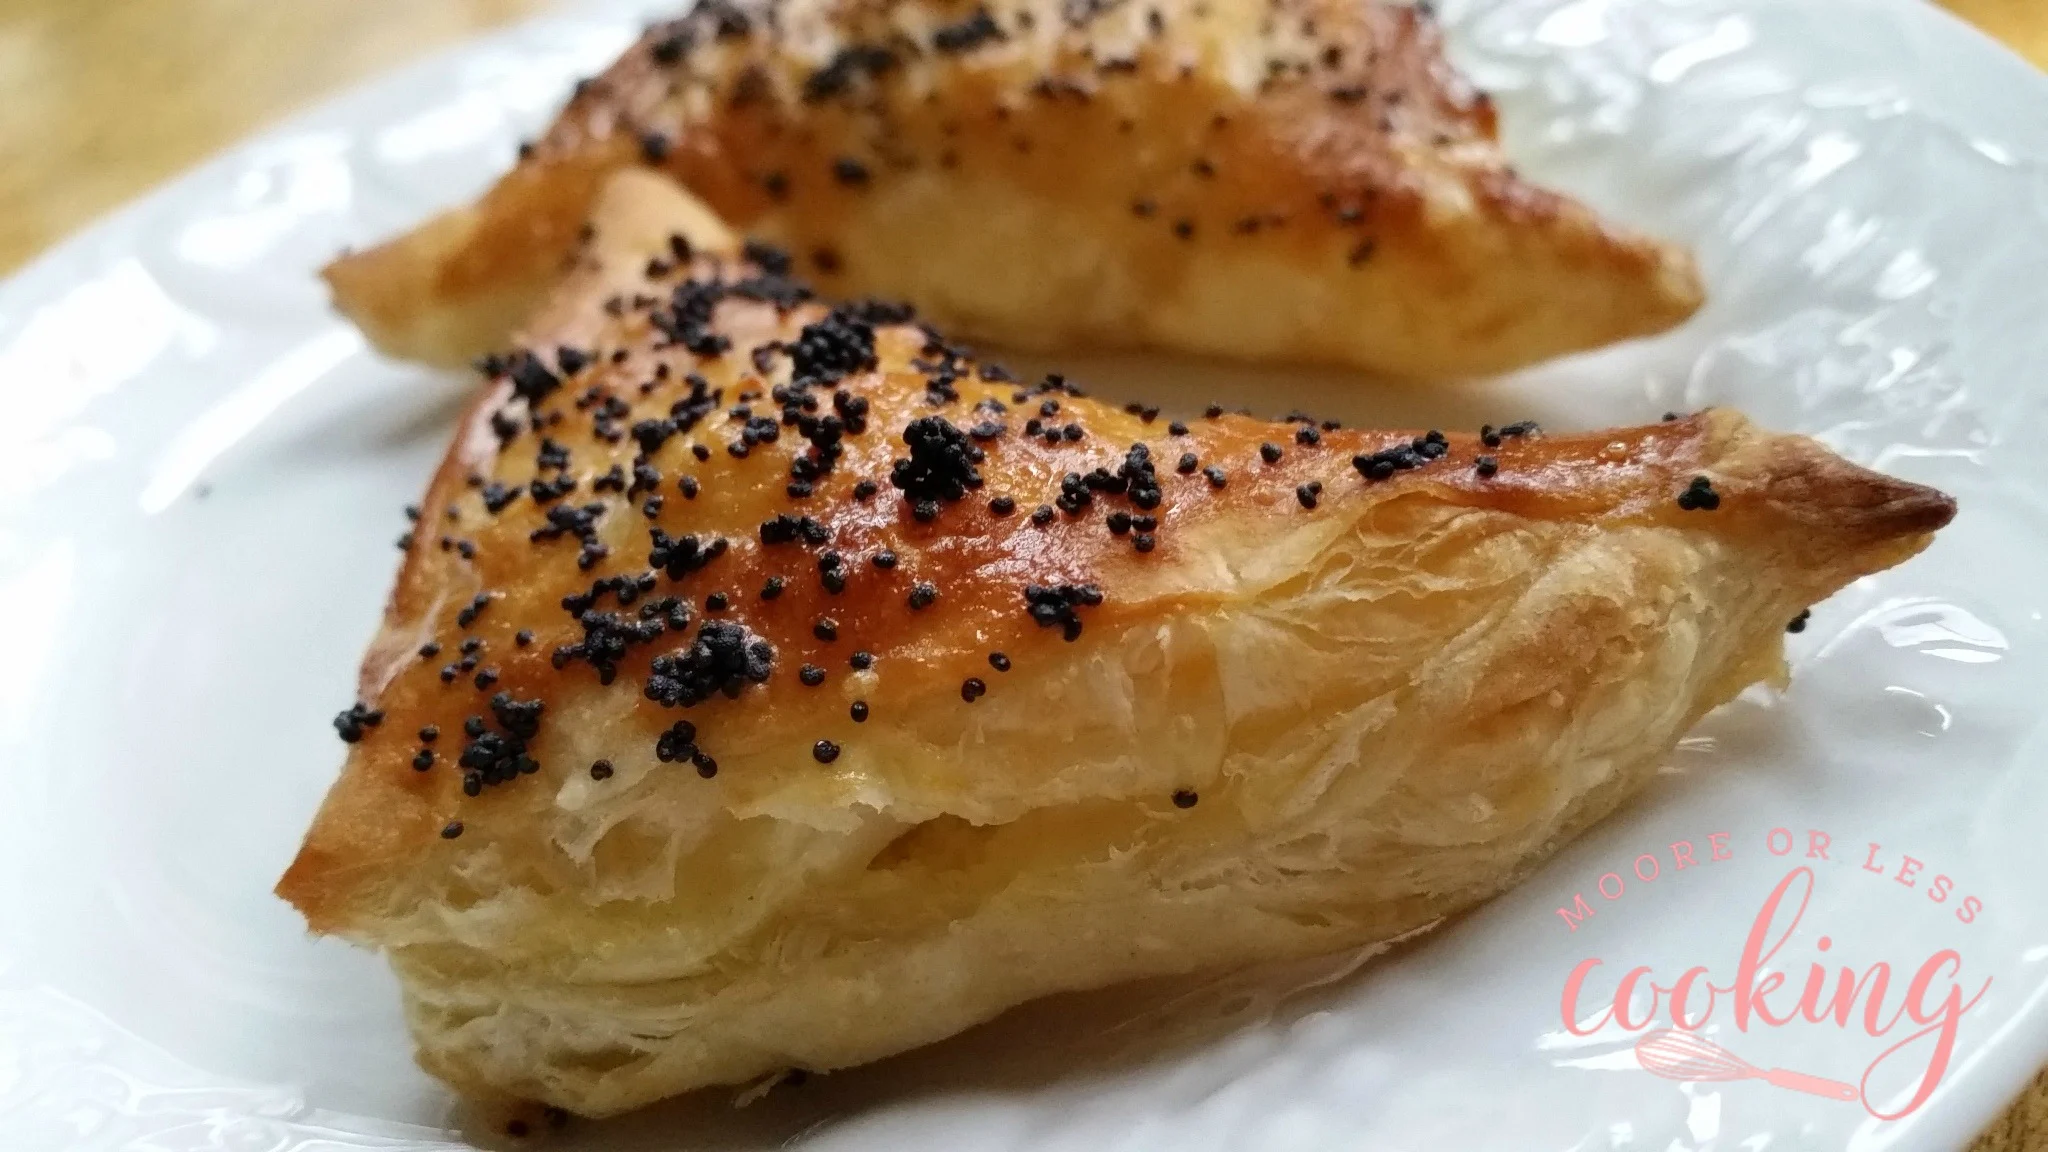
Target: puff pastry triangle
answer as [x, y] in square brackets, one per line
[770, 685]
[1297, 181]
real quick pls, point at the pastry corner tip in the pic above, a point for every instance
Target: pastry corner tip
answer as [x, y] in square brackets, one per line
[1840, 503]
[1679, 286]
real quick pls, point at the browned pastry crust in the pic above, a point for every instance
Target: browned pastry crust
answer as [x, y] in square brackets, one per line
[1297, 180]
[1350, 682]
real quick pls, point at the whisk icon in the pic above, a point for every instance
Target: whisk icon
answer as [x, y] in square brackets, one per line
[1677, 1055]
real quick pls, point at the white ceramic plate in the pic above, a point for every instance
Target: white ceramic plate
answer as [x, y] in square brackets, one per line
[202, 478]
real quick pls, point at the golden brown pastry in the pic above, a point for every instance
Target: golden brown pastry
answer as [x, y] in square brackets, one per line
[775, 686]
[1306, 180]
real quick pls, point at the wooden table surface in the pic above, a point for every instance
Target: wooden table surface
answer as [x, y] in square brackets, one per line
[101, 99]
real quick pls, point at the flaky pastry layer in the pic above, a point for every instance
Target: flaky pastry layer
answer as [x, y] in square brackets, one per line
[802, 690]
[1305, 180]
